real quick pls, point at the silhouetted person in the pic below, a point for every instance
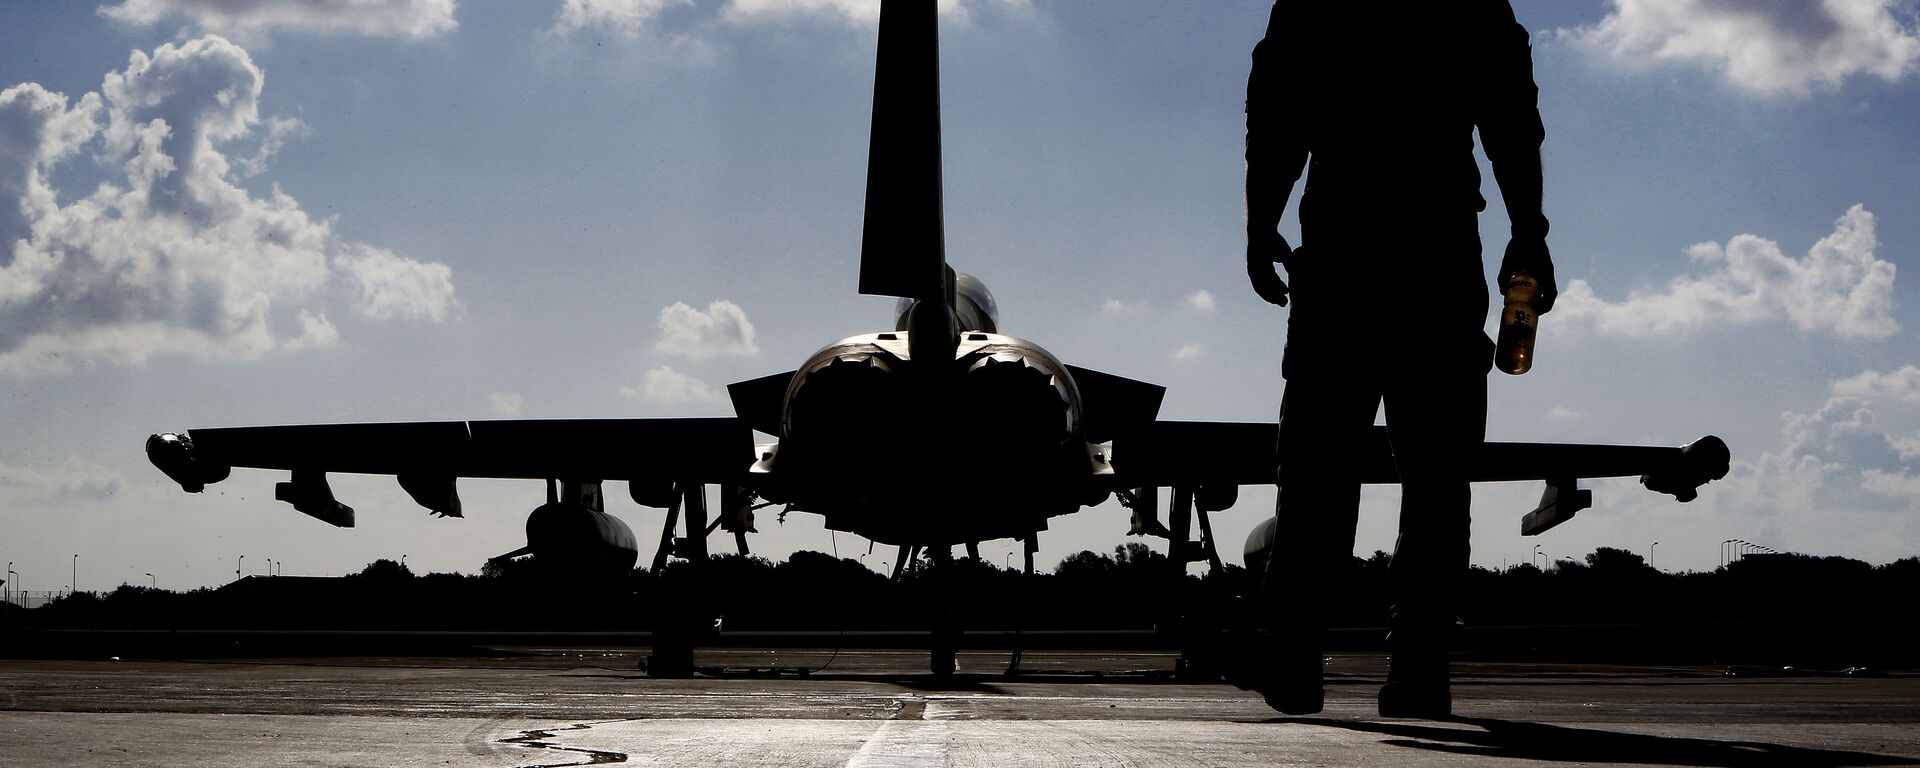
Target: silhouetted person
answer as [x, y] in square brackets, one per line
[1378, 104]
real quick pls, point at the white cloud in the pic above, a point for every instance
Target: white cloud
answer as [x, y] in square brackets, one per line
[721, 330]
[1118, 307]
[315, 331]
[1902, 385]
[1562, 414]
[1762, 46]
[1838, 287]
[72, 479]
[251, 19]
[506, 403]
[388, 286]
[630, 17]
[624, 17]
[1189, 352]
[1858, 452]
[1200, 301]
[1843, 478]
[667, 386]
[171, 256]
[279, 131]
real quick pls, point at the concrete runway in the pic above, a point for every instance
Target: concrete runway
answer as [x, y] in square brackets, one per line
[552, 707]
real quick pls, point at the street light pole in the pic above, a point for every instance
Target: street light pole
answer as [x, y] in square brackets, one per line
[1650, 556]
[152, 583]
[236, 567]
[75, 586]
[1536, 556]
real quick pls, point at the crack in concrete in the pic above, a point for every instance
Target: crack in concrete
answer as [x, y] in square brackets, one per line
[536, 739]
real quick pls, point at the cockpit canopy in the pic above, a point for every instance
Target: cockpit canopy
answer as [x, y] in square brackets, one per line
[973, 306]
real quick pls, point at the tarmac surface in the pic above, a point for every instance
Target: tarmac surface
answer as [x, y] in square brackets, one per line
[869, 707]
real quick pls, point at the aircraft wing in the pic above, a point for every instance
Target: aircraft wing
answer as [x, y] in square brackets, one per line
[1197, 453]
[427, 456]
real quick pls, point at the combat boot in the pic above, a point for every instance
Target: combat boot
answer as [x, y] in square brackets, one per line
[1418, 686]
[1289, 676]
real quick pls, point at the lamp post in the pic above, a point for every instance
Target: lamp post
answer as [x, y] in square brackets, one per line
[236, 567]
[1536, 556]
[75, 586]
[1650, 555]
[152, 583]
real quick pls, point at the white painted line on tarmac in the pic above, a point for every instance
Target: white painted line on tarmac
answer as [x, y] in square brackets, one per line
[903, 744]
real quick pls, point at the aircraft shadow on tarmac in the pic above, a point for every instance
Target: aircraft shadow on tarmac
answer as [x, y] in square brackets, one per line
[1536, 741]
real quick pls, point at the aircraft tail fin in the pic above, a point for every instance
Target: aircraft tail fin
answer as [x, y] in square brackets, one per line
[903, 244]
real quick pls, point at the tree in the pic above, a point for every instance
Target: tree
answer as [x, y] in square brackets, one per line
[1607, 560]
[1084, 563]
[384, 570]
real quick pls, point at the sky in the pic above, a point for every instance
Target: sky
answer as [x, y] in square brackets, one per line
[217, 214]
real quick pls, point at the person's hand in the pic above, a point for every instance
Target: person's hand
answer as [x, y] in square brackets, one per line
[1529, 255]
[1264, 251]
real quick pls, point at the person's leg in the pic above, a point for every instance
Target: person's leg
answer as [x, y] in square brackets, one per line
[1436, 407]
[1324, 421]
[1437, 430]
[1437, 424]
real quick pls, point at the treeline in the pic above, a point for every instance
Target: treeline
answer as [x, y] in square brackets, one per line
[1130, 588]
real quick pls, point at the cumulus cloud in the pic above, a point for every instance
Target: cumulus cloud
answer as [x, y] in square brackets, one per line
[667, 386]
[1859, 452]
[506, 403]
[1843, 478]
[1118, 307]
[1199, 301]
[1762, 46]
[1839, 287]
[1561, 414]
[721, 330]
[387, 286]
[1189, 352]
[170, 255]
[631, 17]
[623, 17]
[1902, 385]
[252, 19]
[72, 479]
[279, 131]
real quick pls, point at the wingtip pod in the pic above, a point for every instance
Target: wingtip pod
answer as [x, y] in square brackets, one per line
[1701, 461]
[173, 454]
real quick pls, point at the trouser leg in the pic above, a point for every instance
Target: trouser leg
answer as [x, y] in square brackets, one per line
[1437, 425]
[1323, 424]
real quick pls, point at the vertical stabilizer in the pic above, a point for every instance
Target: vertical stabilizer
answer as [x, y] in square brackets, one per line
[903, 246]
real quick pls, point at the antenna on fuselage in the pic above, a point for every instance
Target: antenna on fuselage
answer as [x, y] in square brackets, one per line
[903, 244]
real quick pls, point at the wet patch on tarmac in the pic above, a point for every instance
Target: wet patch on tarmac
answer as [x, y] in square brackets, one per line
[541, 738]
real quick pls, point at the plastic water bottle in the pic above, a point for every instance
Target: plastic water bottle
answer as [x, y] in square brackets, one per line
[1518, 322]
